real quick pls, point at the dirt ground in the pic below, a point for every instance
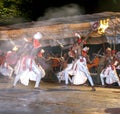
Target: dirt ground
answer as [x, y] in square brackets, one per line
[54, 98]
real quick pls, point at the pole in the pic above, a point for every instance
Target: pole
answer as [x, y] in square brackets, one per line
[115, 34]
[115, 37]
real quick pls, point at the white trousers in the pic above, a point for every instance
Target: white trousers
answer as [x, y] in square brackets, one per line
[35, 73]
[110, 79]
[64, 75]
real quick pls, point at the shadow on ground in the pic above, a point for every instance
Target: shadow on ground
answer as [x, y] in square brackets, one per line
[113, 110]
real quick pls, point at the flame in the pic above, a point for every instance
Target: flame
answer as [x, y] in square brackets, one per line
[15, 48]
[103, 26]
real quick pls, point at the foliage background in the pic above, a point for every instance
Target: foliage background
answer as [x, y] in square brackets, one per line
[16, 11]
[13, 11]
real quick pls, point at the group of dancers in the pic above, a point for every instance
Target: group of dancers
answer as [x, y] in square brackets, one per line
[77, 71]
[24, 68]
[74, 67]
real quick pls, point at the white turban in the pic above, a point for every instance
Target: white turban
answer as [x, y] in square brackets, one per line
[38, 35]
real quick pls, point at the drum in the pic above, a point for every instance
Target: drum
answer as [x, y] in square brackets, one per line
[55, 62]
[94, 63]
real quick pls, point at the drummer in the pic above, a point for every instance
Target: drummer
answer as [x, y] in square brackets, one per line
[109, 55]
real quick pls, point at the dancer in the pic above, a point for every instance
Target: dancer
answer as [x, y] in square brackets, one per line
[110, 74]
[27, 69]
[82, 70]
[64, 75]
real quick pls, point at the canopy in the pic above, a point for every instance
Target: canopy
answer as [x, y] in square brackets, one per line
[63, 29]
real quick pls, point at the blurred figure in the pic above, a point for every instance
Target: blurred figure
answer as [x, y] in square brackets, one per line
[80, 69]
[110, 75]
[67, 66]
[26, 69]
[7, 66]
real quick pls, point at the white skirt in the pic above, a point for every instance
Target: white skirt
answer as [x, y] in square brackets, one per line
[79, 78]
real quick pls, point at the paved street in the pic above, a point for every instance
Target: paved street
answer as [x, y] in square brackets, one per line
[55, 99]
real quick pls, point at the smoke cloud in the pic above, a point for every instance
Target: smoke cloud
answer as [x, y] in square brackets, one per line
[64, 11]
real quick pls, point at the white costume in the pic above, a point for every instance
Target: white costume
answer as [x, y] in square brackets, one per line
[78, 76]
[26, 70]
[110, 74]
[6, 70]
[81, 72]
[117, 65]
[63, 75]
